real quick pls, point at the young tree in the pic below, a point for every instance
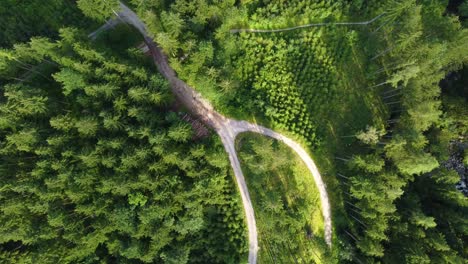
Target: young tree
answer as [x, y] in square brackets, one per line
[100, 10]
[371, 136]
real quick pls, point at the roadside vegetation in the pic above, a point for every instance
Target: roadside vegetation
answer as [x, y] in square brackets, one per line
[286, 202]
[365, 98]
[382, 107]
[95, 164]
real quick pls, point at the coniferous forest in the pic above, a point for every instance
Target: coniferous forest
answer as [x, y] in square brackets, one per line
[102, 162]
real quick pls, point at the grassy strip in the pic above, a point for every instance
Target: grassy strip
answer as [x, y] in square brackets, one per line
[286, 202]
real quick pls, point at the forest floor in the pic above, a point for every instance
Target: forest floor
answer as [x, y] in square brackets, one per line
[228, 129]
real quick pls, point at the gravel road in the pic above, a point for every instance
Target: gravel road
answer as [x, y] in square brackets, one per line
[227, 129]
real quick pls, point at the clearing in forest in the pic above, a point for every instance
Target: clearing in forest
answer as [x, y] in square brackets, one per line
[286, 201]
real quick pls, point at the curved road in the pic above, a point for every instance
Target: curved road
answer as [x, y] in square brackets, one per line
[227, 129]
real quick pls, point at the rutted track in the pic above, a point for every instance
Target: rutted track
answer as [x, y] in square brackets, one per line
[227, 129]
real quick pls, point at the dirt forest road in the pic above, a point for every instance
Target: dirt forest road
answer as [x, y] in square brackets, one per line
[227, 129]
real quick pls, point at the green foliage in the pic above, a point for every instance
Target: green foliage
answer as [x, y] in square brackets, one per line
[463, 9]
[21, 20]
[293, 74]
[432, 225]
[371, 135]
[408, 159]
[396, 213]
[369, 163]
[286, 203]
[95, 168]
[137, 199]
[99, 10]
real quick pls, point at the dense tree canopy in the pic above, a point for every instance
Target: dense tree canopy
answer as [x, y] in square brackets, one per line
[95, 168]
[20, 20]
[408, 217]
[98, 165]
[100, 10]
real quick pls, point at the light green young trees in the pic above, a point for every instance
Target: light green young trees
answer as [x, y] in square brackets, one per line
[100, 10]
[371, 136]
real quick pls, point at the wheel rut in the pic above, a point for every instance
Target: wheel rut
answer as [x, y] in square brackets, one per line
[226, 128]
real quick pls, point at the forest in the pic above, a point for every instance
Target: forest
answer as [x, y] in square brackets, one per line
[288, 216]
[100, 163]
